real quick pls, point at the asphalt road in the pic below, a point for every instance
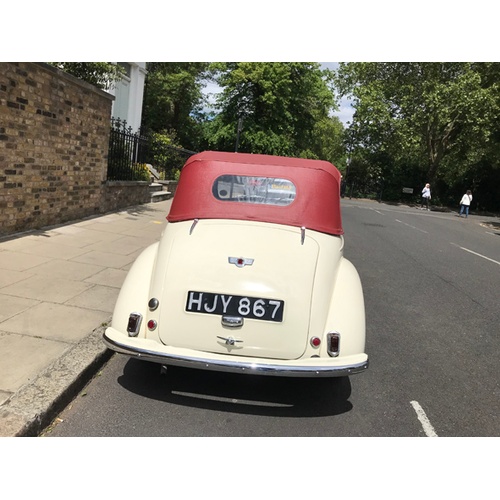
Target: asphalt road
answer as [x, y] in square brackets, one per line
[431, 286]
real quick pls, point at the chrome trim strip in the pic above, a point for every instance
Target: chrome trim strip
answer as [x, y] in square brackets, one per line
[193, 225]
[232, 321]
[236, 366]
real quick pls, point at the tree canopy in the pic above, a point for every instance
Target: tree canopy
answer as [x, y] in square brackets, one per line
[173, 100]
[100, 74]
[439, 120]
[275, 108]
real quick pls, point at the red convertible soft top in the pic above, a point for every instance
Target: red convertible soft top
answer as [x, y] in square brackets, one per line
[303, 193]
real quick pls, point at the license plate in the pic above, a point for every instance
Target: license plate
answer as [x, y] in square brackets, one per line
[235, 305]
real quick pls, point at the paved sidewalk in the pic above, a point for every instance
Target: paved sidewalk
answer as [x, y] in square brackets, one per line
[58, 288]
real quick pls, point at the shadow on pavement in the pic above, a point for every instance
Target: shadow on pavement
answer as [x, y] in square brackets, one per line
[492, 225]
[237, 393]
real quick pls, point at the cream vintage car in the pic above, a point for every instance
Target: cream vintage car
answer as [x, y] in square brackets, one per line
[249, 274]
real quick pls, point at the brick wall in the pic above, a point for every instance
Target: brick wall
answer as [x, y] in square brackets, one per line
[54, 135]
[120, 194]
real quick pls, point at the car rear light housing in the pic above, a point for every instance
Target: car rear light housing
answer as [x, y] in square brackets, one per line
[333, 344]
[134, 324]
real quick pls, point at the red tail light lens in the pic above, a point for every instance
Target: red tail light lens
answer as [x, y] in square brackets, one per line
[315, 341]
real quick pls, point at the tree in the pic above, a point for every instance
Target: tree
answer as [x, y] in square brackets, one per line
[424, 110]
[173, 100]
[100, 74]
[283, 109]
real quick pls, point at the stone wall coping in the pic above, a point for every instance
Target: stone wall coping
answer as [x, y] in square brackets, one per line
[75, 80]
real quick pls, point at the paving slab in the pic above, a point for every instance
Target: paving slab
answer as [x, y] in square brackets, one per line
[104, 259]
[98, 298]
[108, 277]
[14, 305]
[84, 238]
[111, 226]
[15, 243]
[52, 290]
[122, 246]
[67, 269]
[18, 261]
[24, 357]
[7, 277]
[55, 321]
[53, 249]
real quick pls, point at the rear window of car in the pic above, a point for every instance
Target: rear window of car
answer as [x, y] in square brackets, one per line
[258, 190]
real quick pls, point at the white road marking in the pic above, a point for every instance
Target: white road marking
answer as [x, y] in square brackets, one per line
[478, 254]
[409, 225]
[428, 429]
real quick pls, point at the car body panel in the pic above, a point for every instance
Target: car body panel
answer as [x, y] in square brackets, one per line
[276, 252]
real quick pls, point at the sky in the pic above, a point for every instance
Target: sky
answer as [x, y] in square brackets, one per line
[345, 110]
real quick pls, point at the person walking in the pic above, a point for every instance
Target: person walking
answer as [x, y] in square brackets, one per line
[426, 196]
[465, 203]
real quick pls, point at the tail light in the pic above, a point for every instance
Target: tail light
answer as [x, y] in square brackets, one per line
[134, 324]
[333, 344]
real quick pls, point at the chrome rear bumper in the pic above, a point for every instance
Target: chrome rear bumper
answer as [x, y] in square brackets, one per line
[312, 367]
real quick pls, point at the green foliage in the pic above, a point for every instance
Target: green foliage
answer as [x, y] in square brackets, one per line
[100, 74]
[281, 106]
[176, 174]
[173, 100]
[165, 154]
[140, 172]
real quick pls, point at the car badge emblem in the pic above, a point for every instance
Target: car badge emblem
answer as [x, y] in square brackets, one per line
[240, 261]
[229, 340]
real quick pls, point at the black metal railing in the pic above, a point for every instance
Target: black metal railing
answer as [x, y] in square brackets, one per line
[130, 151]
[127, 151]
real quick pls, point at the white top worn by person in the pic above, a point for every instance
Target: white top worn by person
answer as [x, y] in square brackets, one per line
[466, 199]
[465, 203]
[426, 196]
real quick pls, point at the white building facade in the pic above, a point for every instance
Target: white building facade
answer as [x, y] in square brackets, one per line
[129, 93]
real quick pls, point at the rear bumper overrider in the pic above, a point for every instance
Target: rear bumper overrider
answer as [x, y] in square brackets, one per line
[149, 350]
